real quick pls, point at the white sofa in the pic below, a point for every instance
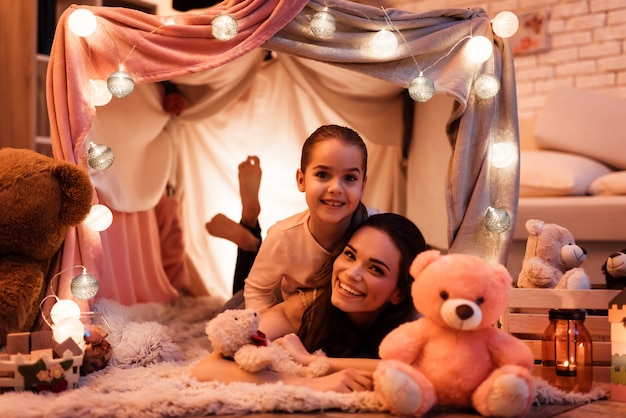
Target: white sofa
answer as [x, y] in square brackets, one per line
[574, 175]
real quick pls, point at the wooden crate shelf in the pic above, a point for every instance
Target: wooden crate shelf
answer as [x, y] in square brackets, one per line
[526, 317]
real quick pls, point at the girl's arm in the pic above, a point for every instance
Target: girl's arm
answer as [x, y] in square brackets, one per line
[216, 368]
[262, 286]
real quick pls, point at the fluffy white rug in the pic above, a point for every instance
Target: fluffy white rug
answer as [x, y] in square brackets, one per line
[154, 347]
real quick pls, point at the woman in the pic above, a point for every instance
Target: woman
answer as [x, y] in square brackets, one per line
[367, 296]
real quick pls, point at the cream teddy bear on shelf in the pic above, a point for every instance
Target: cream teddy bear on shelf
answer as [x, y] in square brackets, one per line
[552, 258]
[235, 334]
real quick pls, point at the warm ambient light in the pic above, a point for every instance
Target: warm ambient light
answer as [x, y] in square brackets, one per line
[384, 43]
[99, 218]
[479, 49]
[99, 94]
[503, 154]
[224, 27]
[82, 22]
[64, 308]
[69, 328]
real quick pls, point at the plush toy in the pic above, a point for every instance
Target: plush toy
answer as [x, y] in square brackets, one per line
[552, 258]
[235, 334]
[454, 356]
[614, 269]
[40, 198]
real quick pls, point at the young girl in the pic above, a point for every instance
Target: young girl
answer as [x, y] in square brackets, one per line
[295, 255]
[366, 296]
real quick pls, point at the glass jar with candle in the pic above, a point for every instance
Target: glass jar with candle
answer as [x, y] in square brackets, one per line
[566, 351]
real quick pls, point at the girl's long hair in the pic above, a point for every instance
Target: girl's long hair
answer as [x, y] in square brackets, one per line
[328, 328]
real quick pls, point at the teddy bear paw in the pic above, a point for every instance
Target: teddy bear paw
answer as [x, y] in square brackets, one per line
[575, 278]
[402, 394]
[508, 397]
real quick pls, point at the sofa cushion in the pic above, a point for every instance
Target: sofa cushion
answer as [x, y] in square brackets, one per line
[552, 173]
[610, 184]
[585, 123]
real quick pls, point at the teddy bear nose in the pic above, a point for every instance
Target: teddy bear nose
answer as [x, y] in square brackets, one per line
[464, 311]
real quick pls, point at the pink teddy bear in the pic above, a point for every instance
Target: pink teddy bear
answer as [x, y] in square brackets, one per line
[453, 355]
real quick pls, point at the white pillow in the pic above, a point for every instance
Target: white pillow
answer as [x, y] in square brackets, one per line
[552, 173]
[609, 184]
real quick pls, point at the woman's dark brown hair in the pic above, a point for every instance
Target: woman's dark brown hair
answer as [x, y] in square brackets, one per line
[328, 328]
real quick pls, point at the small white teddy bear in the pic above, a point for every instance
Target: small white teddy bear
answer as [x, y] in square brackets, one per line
[235, 334]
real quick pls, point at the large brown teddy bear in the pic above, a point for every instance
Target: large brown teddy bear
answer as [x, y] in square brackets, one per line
[40, 198]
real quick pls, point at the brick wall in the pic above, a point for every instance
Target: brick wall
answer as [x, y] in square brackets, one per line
[587, 41]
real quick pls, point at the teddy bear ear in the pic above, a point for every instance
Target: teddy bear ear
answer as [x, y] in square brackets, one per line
[502, 274]
[534, 226]
[76, 192]
[423, 260]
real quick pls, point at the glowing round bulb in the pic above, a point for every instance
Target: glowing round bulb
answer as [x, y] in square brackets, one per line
[505, 24]
[64, 308]
[84, 286]
[120, 84]
[224, 27]
[82, 22]
[100, 156]
[421, 89]
[323, 25]
[497, 220]
[486, 86]
[479, 49]
[384, 43]
[99, 218]
[503, 154]
[99, 94]
[69, 328]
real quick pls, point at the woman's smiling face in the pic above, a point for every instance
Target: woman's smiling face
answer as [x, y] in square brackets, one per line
[365, 275]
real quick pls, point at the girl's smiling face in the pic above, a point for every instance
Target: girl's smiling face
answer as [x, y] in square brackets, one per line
[365, 276]
[333, 182]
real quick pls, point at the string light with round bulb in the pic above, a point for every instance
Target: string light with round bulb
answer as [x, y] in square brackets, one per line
[82, 22]
[65, 314]
[384, 43]
[120, 84]
[99, 218]
[64, 308]
[69, 328]
[84, 286]
[503, 154]
[479, 49]
[323, 24]
[486, 86]
[100, 156]
[421, 88]
[497, 220]
[505, 24]
[224, 27]
[99, 94]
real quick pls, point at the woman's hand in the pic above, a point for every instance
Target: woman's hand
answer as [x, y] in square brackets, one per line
[346, 380]
[293, 345]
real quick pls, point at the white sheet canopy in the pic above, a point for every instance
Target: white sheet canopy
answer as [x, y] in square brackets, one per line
[428, 161]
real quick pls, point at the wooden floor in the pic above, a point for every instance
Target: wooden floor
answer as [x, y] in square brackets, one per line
[596, 409]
